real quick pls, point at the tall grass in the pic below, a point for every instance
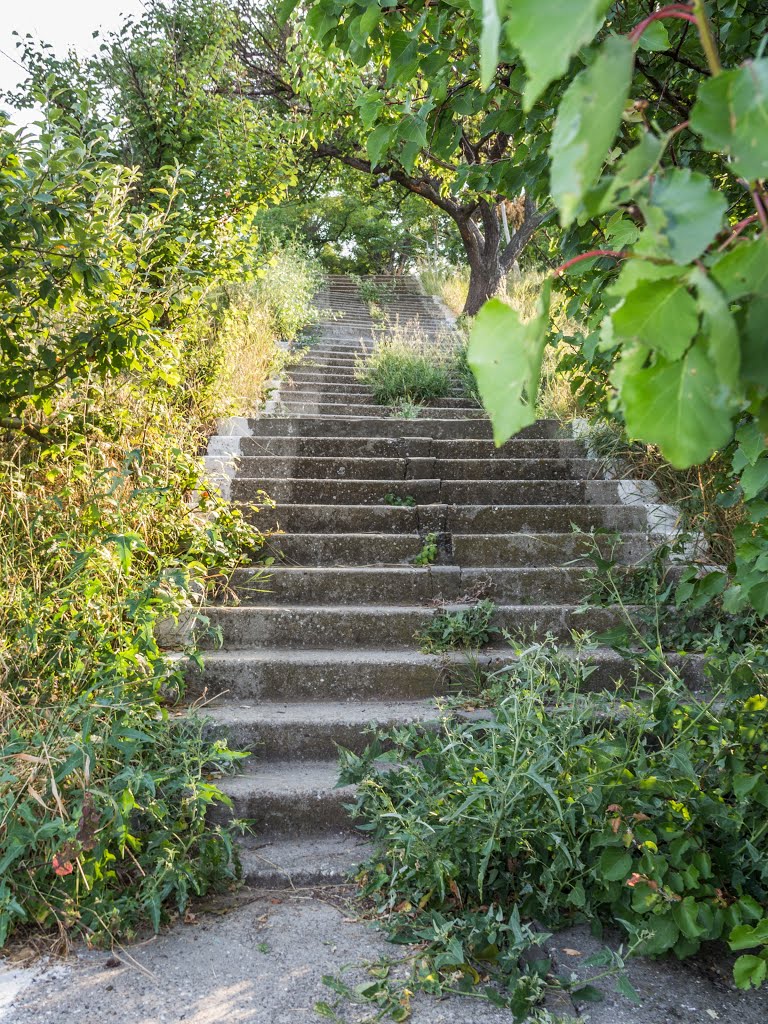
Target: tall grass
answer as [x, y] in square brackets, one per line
[408, 367]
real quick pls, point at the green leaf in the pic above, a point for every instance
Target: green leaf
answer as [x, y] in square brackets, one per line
[489, 42]
[720, 331]
[746, 936]
[754, 479]
[665, 935]
[378, 141]
[635, 166]
[731, 115]
[586, 124]
[625, 988]
[754, 361]
[752, 441]
[683, 214]
[660, 314]
[655, 37]
[749, 970]
[743, 270]
[675, 405]
[686, 914]
[535, 28]
[615, 863]
[505, 356]
[588, 994]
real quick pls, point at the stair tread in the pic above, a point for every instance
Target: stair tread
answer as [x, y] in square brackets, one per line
[321, 713]
[285, 777]
[301, 862]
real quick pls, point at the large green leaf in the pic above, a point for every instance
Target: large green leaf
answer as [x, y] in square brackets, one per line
[586, 125]
[379, 141]
[720, 331]
[489, 42]
[749, 970]
[505, 356]
[683, 214]
[536, 29]
[676, 405]
[659, 314]
[731, 115]
[743, 270]
[754, 480]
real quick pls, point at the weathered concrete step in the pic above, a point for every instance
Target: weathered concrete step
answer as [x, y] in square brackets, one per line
[348, 395]
[310, 626]
[297, 407]
[303, 862]
[346, 548]
[325, 517]
[542, 549]
[361, 467]
[488, 550]
[403, 584]
[372, 673]
[409, 447]
[390, 426]
[309, 731]
[288, 799]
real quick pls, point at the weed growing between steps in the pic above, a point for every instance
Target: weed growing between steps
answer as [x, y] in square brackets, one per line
[429, 551]
[469, 628]
[644, 811]
[395, 501]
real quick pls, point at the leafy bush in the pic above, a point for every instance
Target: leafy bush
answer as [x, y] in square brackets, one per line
[286, 287]
[117, 355]
[470, 627]
[649, 815]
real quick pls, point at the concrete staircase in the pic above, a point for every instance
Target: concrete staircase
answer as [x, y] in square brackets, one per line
[324, 647]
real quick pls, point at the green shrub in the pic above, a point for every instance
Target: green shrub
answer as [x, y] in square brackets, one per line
[407, 369]
[103, 793]
[286, 287]
[648, 814]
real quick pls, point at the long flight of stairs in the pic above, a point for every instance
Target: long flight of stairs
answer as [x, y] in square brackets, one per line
[324, 647]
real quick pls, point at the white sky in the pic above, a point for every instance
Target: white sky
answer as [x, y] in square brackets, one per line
[63, 23]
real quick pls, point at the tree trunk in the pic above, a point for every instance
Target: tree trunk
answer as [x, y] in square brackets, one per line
[485, 280]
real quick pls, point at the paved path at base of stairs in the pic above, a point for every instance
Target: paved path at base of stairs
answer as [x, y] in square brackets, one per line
[213, 971]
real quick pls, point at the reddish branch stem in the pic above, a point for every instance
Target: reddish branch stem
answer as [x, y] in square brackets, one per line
[681, 11]
[737, 231]
[756, 199]
[593, 254]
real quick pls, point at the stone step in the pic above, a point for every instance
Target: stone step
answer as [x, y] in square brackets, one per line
[372, 673]
[323, 516]
[312, 731]
[296, 407]
[427, 492]
[286, 799]
[391, 426]
[345, 548]
[309, 626]
[362, 467]
[339, 396]
[479, 550]
[403, 584]
[411, 447]
[301, 863]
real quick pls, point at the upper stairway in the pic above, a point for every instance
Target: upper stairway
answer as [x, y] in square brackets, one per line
[322, 644]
